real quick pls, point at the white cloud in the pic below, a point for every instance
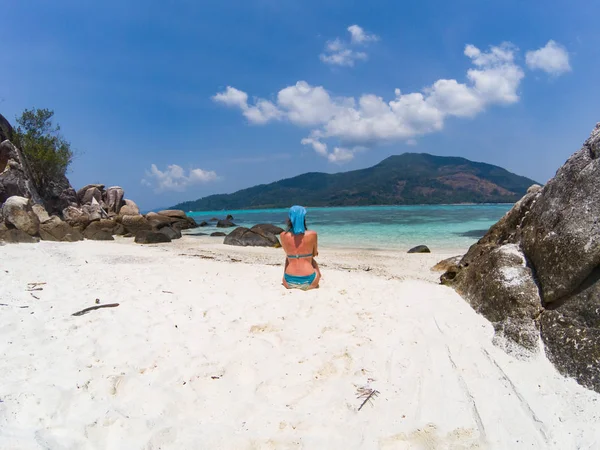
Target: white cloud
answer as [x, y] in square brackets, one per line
[370, 120]
[342, 53]
[552, 58]
[175, 179]
[359, 36]
[261, 112]
[340, 155]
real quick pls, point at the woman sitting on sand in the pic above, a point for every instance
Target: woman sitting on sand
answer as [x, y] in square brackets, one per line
[300, 246]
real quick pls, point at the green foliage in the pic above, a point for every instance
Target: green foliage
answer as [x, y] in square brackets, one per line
[45, 149]
[408, 179]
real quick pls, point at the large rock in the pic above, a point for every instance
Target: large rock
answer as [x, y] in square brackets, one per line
[98, 230]
[540, 264]
[81, 193]
[503, 290]
[267, 229]
[243, 236]
[15, 176]
[41, 213]
[57, 195]
[55, 229]
[92, 193]
[129, 208]
[17, 211]
[15, 236]
[158, 221]
[561, 233]
[170, 232]
[151, 237]
[114, 199]
[76, 217]
[225, 224]
[135, 224]
[178, 213]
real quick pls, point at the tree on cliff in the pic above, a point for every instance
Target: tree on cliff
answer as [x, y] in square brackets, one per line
[45, 149]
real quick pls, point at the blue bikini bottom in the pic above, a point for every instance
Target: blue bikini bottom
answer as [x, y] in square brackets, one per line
[299, 282]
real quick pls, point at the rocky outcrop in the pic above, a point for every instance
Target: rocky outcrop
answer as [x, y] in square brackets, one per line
[255, 237]
[15, 236]
[17, 211]
[538, 268]
[57, 195]
[15, 177]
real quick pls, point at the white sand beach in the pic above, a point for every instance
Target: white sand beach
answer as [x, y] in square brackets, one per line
[207, 350]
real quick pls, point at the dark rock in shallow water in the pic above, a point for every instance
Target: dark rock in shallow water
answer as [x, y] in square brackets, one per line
[556, 232]
[225, 224]
[420, 249]
[244, 237]
[203, 223]
[151, 237]
[229, 217]
[218, 233]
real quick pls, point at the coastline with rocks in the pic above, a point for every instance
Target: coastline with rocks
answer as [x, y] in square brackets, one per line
[145, 346]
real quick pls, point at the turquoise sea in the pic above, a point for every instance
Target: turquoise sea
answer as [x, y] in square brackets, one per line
[380, 227]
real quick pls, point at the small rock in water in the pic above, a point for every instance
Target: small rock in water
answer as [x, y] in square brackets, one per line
[420, 249]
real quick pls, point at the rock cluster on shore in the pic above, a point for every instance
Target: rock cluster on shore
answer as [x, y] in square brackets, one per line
[537, 271]
[57, 212]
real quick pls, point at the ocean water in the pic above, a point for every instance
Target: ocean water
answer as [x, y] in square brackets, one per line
[380, 227]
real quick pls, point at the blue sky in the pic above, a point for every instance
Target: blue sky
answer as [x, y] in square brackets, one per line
[175, 101]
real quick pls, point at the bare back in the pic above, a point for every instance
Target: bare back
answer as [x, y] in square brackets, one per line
[299, 244]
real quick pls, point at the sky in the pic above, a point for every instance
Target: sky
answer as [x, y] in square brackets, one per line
[177, 100]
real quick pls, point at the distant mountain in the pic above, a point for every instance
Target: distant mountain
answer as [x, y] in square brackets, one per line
[407, 179]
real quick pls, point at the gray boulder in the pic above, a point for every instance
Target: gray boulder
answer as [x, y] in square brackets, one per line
[81, 193]
[561, 233]
[114, 199]
[170, 232]
[135, 224]
[225, 224]
[151, 237]
[76, 217]
[15, 236]
[41, 213]
[17, 211]
[15, 176]
[177, 213]
[540, 266]
[55, 229]
[244, 237]
[99, 229]
[129, 208]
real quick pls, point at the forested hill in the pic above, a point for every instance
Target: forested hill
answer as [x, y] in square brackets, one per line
[410, 178]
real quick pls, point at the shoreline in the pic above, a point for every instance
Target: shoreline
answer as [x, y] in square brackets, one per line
[207, 346]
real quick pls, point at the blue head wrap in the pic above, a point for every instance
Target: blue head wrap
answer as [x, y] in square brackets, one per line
[297, 215]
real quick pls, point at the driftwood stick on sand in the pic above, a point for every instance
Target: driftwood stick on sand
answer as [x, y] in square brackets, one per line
[92, 308]
[16, 306]
[368, 394]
